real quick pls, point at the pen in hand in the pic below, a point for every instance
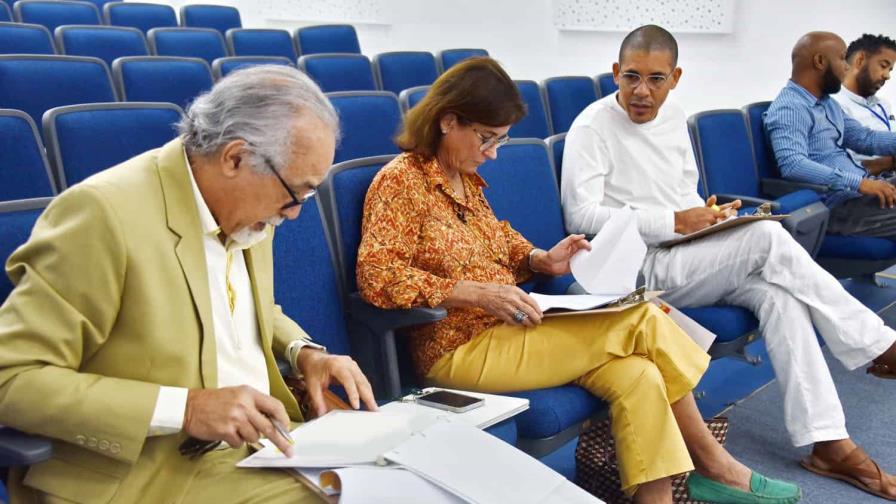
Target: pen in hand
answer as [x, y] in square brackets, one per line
[282, 431]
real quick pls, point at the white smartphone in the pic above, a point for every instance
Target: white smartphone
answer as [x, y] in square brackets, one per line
[450, 401]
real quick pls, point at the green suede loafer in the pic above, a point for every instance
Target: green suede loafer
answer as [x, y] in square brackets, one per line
[762, 491]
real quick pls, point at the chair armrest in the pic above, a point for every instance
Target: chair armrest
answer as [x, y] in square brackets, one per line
[776, 188]
[382, 320]
[798, 199]
[748, 201]
[20, 449]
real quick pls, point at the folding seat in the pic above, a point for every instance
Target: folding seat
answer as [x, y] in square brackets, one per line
[335, 38]
[411, 96]
[843, 256]
[369, 120]
[104, 42]
[23, 38]
[566, 98]
[37, 83]
[339, 72]
[450, 57]
[24, 171]
[143, 16]
[5, 13]
[204, 43]
[161, 79]
[223, 66]
[217, 17]
[605, 84]
[401, 70]
[261, 42]
[55, 13]
[85, 139]
[535, 123]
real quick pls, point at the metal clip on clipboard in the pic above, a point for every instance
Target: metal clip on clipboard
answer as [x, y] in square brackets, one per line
[635, 297]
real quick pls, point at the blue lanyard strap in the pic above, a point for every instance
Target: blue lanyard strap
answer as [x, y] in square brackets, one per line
[882, 116]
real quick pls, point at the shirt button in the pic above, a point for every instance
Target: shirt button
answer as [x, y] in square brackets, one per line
[104, 445]
[115, 448]
[81, 440]
[91, 442]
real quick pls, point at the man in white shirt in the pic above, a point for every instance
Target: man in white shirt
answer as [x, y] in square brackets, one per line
[871, 59]
[143, 322]
[632, 148]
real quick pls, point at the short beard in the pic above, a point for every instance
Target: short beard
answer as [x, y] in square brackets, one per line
[830, 84]
[864, 84]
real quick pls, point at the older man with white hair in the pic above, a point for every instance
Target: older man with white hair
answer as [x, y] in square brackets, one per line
[143, 321]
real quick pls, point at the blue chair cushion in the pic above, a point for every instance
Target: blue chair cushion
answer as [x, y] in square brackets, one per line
[505, 431]
[727, 322]
[340, 73]
[553, 410]
[143, 16]
[23, 172]
[796, 200]
[103, 42]
[328, 39]
[20, 38]
[857, 247]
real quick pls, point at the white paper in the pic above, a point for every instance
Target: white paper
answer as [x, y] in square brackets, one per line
[496, 409]
[697, 332]
[617, 253]
[576, 302]
[373, 485]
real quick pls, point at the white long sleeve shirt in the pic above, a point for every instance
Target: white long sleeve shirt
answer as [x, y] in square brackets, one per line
[610, 162]
[873, 112]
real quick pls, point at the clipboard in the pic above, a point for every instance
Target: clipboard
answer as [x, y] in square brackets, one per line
[639, 296]
[722, 226]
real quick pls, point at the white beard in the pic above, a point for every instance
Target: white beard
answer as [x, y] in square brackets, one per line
[246, 237]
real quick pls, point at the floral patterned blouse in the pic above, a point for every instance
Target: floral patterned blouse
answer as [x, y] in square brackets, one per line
[419, 239]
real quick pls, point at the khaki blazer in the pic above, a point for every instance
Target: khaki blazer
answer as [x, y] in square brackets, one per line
[112, 301]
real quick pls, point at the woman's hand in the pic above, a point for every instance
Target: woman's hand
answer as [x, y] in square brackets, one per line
[501, 301]
[556, 261]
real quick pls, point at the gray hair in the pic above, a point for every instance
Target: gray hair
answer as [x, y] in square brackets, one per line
[259, 105]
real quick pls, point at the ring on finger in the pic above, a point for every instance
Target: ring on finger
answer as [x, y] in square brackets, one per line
[519, 316]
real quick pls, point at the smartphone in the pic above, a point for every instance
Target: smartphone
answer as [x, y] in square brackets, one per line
[450, 401]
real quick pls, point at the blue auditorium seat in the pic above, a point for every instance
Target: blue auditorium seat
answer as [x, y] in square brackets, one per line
[556, 143]
[335, 38]
[55, 13]
[567, 97]
[24, 170]
[140, 15]
[162, 79]
[339, 72]
[85, 139]
[204, 43]
[535, 124]
[216, 17]
[37, 83]
[101, 3]
[401, 70]
[450, 57]
[369, 121]
[104, 42]
[261, 42]
[5, 13]
[223, 66]
[411, 96]
[605, 84]
[22, 38]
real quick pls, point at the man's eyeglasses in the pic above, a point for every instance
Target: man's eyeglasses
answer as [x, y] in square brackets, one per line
[296, 201]
[487, 141]
[654, 82]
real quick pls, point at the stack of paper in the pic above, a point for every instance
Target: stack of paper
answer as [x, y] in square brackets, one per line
[496, 409]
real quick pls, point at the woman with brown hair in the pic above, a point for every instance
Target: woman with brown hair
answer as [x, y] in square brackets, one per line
[429, 238]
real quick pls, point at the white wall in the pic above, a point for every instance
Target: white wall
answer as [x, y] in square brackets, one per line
[720, 71]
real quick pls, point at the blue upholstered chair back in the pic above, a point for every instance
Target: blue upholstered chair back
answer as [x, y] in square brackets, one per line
[306, 280]
[339, 72]
[261, 42]
[223, 66]
[5, 12]
[24, 172]
[766, 165]
[21, 38]
[344, 191]
[16, 221]
[605, 84]
[85, 139]
[216, 17]
[450, 57]
[143, 16]
[37, 83]
[522, 190]
[566, 98]
[411, 96]
[204, 43]
[535, 124]
[104, 42]
[724, 153]
[101, 3]
[338, 38]
[556, 143]
[55, 13]
[161, 79]
[401, 70]
[369, 121]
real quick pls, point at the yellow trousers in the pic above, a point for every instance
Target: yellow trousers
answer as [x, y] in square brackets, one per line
[638, 360]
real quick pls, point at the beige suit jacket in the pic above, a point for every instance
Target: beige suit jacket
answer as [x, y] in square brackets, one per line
[112, 301]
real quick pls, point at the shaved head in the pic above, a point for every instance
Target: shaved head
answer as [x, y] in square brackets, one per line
[819, 62]
[650, 38]
[814, 43]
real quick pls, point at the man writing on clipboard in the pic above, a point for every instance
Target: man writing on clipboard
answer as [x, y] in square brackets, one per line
[628, 149]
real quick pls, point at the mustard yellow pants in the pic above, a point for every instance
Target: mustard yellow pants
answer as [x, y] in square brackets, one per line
[638, 360]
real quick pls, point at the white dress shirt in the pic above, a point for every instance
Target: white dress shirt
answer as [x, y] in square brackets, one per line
[237, 340]
[602, 144]
[872, 112]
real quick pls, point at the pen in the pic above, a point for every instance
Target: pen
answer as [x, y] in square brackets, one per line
[282, 431]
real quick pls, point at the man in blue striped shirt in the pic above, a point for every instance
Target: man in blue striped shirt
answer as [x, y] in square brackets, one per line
[810, 135]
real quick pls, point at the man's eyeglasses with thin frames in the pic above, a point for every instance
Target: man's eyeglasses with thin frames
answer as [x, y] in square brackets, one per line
[296, 201]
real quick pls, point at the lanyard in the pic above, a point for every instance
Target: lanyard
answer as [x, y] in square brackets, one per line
[882, 116]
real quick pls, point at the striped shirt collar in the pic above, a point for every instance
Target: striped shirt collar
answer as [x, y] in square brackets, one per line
[806, 95]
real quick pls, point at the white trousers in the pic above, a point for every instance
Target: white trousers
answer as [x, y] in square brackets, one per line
[760, 267]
